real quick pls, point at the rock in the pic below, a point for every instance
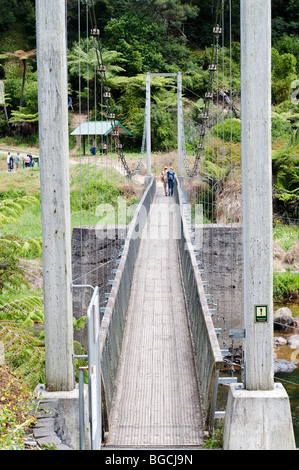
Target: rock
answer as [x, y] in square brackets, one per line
[282, 365]
[279, 341]
[283, 318]
[293, 342]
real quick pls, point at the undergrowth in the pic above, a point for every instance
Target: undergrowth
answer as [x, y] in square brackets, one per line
[286, 285]
[17, 410]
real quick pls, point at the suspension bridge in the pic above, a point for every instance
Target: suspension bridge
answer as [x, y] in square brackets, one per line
[172, 296]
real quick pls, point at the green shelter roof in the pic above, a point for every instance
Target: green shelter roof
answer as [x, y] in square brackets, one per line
[99, 128]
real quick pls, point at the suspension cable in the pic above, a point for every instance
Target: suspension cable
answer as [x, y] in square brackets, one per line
[110, 114]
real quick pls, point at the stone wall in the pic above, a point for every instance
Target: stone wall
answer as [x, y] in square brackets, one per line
[95, 252]
[222, 264]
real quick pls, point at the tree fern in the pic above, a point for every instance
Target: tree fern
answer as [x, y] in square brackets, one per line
[14, 207]
[24, 247]
[11, 274]
[24, 309]
[23, 352]
[4, 219]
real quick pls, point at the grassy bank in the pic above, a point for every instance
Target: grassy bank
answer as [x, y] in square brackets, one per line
[286, 285]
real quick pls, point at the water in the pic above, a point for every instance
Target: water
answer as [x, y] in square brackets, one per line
[293, 306]
[288, 381]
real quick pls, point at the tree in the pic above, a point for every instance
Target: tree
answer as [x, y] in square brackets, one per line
[283, 73]
[21, 57]
[82, 59]
[83, 62]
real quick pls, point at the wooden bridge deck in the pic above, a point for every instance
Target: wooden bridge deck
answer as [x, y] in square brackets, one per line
[156, 401]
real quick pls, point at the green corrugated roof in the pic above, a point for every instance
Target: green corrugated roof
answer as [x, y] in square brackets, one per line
[99, 128]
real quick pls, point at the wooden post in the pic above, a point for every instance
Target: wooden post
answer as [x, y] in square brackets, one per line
[55, 197]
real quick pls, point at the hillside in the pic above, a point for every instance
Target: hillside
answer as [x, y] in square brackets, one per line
[156, 36]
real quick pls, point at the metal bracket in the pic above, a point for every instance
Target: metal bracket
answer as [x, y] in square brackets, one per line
[219, 414]
[227, 380]
[224, 352]
[237, 333]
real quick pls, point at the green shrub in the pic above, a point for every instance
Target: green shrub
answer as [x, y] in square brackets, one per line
[286, 285]
[229, 129]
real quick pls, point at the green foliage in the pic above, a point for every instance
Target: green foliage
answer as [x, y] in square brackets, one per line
[229, 129]
[285, 165]
[164, 125]
[285, 18]
[283, 73]
[285, 285]
[96, 188]
[27, 308]
[281, 125]
[17, 411]
[12, 208]
[11, 274]
[286, 235]
[23, 352]
[215, 441]
[289, 44]
[21, 308]
[7, 12]
[88, 60]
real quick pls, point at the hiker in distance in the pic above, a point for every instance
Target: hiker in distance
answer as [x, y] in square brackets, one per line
[164, 179]
[170, 180]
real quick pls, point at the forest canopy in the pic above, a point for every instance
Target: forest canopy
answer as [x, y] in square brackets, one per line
[138, 36]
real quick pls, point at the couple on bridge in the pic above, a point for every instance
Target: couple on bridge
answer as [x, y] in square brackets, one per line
[168, 178]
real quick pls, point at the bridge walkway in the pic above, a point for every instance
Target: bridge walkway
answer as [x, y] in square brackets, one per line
[156, 400]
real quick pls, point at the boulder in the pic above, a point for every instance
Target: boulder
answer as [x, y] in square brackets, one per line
[293, 342]
[282, 365]
[283, 318]
[279, 341]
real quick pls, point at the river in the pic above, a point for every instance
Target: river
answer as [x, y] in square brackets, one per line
[290, 381]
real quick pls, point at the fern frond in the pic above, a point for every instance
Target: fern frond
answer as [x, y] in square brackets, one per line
[4, 219]
[25, 310]
[24, 353]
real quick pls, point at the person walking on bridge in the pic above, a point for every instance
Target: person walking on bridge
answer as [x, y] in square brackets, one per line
[171, 178]
[164, 179]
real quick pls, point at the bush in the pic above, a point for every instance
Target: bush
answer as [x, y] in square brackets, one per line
[286, 285]
[230, 129]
